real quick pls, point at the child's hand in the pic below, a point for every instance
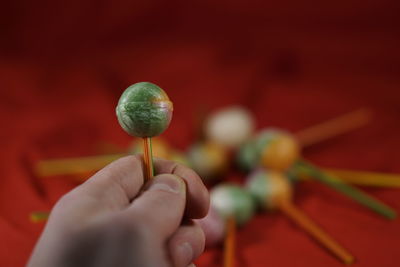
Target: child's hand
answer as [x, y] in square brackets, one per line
[110, 220]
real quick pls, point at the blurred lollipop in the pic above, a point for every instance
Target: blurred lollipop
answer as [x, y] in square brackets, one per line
[208, 159]
[236, 207]
[229, 127]
[273, 191]
[278, 150]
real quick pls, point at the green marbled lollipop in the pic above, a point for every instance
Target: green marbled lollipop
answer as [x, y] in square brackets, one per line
[272, 190]
[144, 110]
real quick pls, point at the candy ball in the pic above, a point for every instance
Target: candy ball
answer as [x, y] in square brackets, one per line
[230, 127]
[247, 156]
[213, 226]
[208, 159]
[232, 200]
[144, 110]
[269, 188]
[277, 149]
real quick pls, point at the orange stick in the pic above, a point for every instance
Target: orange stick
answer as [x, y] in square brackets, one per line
[148, 158]
[230, 242]
[333, 127]
[320, 235]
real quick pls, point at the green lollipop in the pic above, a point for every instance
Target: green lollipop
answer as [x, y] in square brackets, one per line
[144, 110]
[233, 201]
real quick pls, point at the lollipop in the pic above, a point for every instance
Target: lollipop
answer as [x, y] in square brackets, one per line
[273, 191]
[208, 159]
[229, 127]
[247, 156]
[236, 206]
[272, 148]
[144, 110]
[232, 201]
[277, 150]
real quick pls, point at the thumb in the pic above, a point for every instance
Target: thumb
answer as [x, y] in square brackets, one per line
[161, 206]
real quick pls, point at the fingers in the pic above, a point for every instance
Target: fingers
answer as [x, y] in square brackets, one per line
[197, 200]
[186, 244]
[110, 243]
[159, 209]
[117, 183]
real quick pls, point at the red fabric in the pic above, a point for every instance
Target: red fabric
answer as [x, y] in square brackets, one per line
[293, 63]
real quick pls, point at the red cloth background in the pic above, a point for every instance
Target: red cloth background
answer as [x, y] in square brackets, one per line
[293, 63]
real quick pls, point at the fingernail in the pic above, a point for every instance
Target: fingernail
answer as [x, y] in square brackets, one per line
[168, 183]
[186, 250]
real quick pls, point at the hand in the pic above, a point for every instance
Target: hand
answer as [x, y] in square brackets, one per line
[113, 219]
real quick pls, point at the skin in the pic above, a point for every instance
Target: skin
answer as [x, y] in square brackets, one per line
[114, 219]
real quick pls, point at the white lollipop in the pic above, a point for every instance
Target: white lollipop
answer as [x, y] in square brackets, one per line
[230, 127]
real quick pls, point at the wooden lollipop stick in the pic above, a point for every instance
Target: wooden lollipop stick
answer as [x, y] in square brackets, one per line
[69, 166]
[316, 232]
[366, 178]
[374, 179]
[39, 216]
[148, 158]
[333, 127]
[230, 242]
[346, 189]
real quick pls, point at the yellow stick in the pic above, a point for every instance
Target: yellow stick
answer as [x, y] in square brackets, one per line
[68, 166]
[364, 178]
[39, 216]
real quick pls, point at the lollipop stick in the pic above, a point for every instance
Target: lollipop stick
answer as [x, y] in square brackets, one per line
[39, 216]
[333, 127]
[320, 235]
[148, 158]
[347, 190]
[366, 178]
[70, 166]
[229, 245]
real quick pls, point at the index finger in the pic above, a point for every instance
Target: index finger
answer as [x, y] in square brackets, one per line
[197, 199]
[119, 182]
